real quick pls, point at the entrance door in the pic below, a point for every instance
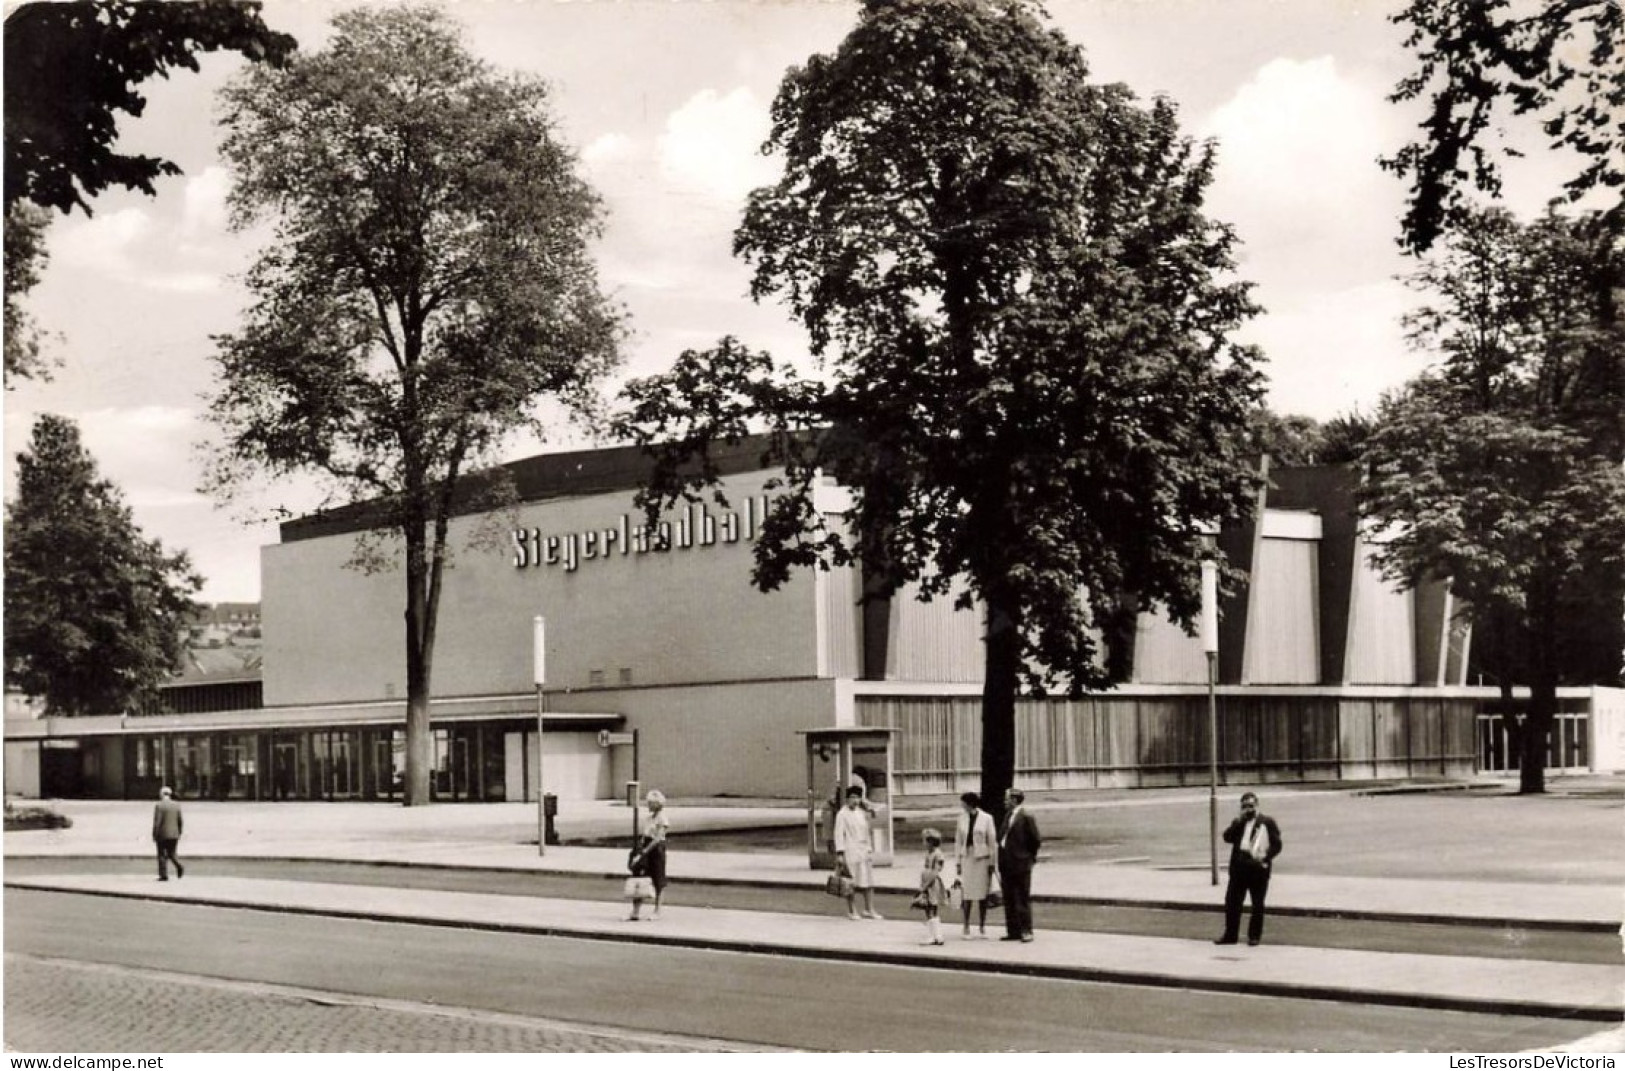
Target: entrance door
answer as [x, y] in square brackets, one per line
[462, 773]
[346, 752]
[289, 772]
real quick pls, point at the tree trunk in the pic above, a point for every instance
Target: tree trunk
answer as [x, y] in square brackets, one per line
[419, 737]
[1532, 742]
[999, 704]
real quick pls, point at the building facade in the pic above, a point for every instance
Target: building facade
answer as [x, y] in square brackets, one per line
[1325, 671]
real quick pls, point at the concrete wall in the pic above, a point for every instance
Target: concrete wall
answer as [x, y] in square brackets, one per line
[22, 768]
[1607, 730]
[685, 615]
[737, 740]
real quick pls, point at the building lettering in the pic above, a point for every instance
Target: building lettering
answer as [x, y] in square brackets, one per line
[694, 525]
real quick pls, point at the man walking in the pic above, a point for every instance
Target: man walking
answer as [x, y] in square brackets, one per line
[166, 833]
[1254, 841]
[1018, 851]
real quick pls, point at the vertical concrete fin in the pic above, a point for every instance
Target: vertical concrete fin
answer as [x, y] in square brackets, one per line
[1240, 545]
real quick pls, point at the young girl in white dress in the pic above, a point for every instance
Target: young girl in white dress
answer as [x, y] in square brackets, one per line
[932, 892]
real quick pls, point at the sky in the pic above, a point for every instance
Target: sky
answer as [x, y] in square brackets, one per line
[666, 103]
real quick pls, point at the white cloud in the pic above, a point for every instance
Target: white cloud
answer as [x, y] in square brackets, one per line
[712, 145]
[204, 212]
[146, 451]
[127, 247]
[609, 148]
[1336, 351]
[1299, 134]
[186, 282]
[102, 243]
[1297, 172]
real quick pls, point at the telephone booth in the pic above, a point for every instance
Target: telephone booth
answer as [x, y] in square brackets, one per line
[836, 759]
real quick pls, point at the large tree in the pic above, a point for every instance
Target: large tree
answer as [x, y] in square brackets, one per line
[1022, 316]
[70, 69]
[1501, 469]
[96, 613]
[428, 286]
[1558, 64]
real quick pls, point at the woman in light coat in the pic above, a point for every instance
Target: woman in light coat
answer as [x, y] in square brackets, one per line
[854, 840]
[976, 857]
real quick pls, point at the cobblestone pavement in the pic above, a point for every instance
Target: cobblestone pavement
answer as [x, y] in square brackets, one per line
[55, 1006]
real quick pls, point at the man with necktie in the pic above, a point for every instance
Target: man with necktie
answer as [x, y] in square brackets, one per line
[1254, 841]
[1018, 851]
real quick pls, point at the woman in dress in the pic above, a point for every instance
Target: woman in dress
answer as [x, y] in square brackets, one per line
[651, 851]
[854, 841]
[976, 857]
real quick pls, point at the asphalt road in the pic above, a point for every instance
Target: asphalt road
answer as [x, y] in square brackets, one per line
[742, 998]
[1380, 936]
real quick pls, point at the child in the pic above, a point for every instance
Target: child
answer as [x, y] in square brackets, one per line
[932, 892]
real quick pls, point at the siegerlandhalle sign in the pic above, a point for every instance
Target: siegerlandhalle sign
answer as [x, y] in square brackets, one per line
[693, 526]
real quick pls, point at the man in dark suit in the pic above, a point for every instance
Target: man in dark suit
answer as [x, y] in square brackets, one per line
[1018, 851]
[166, 833]
[1254, 841]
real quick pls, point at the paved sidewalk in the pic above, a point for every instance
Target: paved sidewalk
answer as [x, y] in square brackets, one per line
[494, 836]
[502, 837]
[1585, 992]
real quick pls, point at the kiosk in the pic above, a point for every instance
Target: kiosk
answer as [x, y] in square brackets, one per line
[837, 758]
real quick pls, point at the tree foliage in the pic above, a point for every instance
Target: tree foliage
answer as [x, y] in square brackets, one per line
[428, 285]
[1562, 64]
[25, 259]
[72, 68]
[1295, 439]
[1502, 468]
[95, 612]
[1022, 316]
[1291, 439]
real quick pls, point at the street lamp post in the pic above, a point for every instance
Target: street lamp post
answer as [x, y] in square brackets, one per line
[538, 662]
[1210, 646]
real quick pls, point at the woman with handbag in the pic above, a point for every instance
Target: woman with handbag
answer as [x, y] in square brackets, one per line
[976, 858]
[647, 863]
[854, 843]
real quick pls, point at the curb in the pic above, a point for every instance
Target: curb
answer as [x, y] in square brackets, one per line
[1547, 925]
[1081, 973]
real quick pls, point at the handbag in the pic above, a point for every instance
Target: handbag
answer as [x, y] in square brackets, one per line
[839, 883]
[995, 898]
[638, 888]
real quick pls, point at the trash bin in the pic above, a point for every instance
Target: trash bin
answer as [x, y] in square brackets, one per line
[550, 811]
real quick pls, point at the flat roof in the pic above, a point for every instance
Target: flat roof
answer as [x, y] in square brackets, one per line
[338, 716]
[540, 478]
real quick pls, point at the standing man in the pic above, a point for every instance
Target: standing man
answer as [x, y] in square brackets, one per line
[166, 833]
[1018, 851]
[1254, 841]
